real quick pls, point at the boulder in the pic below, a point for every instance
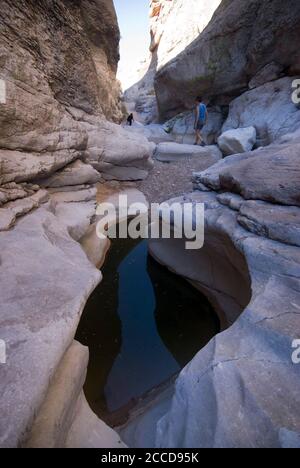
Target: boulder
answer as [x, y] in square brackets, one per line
[269, 174]
[269, 108]
[172, 152]
[237, 141]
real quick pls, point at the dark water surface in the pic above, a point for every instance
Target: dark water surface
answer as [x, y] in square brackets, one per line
[142, 326]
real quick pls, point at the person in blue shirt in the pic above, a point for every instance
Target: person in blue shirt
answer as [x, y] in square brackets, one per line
[201, 116]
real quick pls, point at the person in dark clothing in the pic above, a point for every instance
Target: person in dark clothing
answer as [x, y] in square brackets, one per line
[130, 119]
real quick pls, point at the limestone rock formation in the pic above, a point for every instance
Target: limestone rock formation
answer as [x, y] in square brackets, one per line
[74, 174]
[45, 281]
[242, 389]
[52, 90]
[236, 141]
[246, 44]
[58, 63]
[270, 174]
[65, 419]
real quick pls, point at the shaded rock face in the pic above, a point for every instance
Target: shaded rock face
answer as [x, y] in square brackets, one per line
[62, 52]
[246, 44]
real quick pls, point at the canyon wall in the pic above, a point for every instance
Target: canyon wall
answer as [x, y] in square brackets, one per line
[174, 24]
[58, 138]
[245, 45]
[59, 60]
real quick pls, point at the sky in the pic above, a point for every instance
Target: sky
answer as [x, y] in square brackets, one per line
[133, 17]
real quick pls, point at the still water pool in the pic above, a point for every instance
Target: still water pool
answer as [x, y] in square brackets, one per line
[142, 325]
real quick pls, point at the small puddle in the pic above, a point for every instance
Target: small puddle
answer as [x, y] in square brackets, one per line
[142, 325]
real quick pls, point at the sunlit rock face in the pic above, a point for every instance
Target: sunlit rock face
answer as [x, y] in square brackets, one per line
[245, 45]
[174, 24]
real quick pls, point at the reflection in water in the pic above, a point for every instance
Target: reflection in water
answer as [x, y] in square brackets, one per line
[142, 325]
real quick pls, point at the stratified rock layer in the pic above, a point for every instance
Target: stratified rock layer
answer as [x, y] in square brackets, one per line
[59, 74]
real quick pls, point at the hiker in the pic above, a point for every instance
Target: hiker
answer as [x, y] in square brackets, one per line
[130, 119]
[200, 120]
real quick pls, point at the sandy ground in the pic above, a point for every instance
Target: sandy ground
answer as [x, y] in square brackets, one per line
[169, 180]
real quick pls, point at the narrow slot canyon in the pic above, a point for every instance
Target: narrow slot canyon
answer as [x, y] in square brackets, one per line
[112, 112]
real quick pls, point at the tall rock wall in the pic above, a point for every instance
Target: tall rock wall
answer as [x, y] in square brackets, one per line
[246, 44]
[58, 100]
[174, 24]
[58, 61]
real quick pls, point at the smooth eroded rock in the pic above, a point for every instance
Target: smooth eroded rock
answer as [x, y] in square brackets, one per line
[237, 141]
[172, 152]
[45, 281]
